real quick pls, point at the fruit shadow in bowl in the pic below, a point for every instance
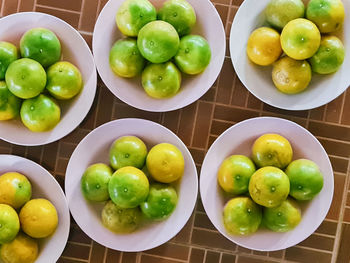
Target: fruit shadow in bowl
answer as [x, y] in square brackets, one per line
[73, 111]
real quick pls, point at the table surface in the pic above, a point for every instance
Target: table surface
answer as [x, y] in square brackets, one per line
[198, 125]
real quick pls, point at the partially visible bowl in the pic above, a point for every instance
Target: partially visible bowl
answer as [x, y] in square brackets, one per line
[258, 80]
[45, 186]
[239, 140]
[209, 25]
[94, 148]
[74, 50]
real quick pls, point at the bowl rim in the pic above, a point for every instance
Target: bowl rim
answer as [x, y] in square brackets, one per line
[87, 105]
[196, 181]
[174, 107]
[242, 79]
[57, 251]
[234, 126]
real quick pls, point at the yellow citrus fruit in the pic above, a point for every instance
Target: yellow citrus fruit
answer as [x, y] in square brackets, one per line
[22, 249]
[38, 218]
[328, 15]
[165, 163]
[264, 46]
[291, 76]
[15, 189]
[9, 223]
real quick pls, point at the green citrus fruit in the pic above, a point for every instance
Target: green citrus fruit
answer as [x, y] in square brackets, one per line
[125, 58]
[127, 151]
[160, 203]
[242, 216]
[121, 220]
[269, 186]
[282, 218]
[41, 45]
[329, 57]
[234, 174]
[291, 76]
[128, 187]
[15, 189]
[94, 182]
[9, 224]
[8, 54]
[9, 103]
[300, 39]
[132, 15]
[306, 179]
[328, 15]
[180, 14]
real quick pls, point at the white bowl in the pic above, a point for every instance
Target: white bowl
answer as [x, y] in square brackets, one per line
[94, 148]
[258, 79]
[74, 50]
[130, 91]
[45, 186]
[238, 140]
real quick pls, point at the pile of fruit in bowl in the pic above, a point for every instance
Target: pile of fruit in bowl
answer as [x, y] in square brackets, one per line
[268, 196]
[32, 78]
[142, 187]
[299, 40]
[163, 47]
[23, 221]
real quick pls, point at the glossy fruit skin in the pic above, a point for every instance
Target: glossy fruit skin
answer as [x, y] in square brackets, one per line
[279, 12]
[282, 218]
[234, 174]
[161, 81]
[165, 163]
[40, 114]
[180, 14]
[158, 41]
[242, 216]
[291, 76]
[38, 218]
[306, 179]
[132, 15]
[64, 80]
[264, 46]
[269, 186]
[272, 150]
[41, 45]
[8, 54]
[9, 224]
[329, 57]
[125, 58]
[120, 220]
[22, 249]
[128, 187]
[9, 103]
[160, 203]
[15, 189]
[300, 39]
[193, 55]
[94, 182]
[127, 151]
[25, 78]
[328, 15]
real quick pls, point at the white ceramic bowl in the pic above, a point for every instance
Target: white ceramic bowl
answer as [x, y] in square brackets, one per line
[258, 80]
[238, 140]
[45, 186]
[94, 148]
[74, 50]
[130, 91]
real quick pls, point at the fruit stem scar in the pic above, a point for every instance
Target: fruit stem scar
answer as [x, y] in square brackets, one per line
[273, 189]
[127, 155]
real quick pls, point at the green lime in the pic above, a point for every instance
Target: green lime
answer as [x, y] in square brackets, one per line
[9, 103]
[9, 224]
[8, 54]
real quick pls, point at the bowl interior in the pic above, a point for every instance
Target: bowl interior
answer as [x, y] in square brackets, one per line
[130, 91]
[238, 140]
[95, 148]
[74, 50]
[44, 185]
[321, 90]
